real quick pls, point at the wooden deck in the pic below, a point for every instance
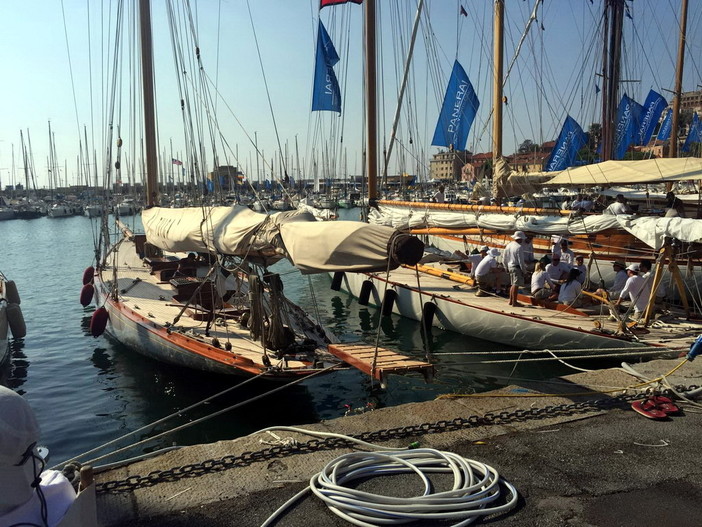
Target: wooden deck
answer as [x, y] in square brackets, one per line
[381, 362]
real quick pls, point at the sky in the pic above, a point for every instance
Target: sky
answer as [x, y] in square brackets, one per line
[259, 55]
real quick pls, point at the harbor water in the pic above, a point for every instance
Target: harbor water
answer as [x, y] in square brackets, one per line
[87, 391]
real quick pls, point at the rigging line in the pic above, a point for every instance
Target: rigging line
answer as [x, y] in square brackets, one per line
[177, 413]
[265, 82]
[207, 417]
[70, 67]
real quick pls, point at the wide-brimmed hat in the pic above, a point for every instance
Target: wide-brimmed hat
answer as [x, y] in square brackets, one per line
[519, 235]
[619, 263]
[634, 268]
[484, 249]
[494, 252]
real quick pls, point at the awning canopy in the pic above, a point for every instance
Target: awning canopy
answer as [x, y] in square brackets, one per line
[630, 172]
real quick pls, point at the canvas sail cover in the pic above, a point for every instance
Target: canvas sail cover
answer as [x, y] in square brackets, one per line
[312, 246]
[651, 230]
[631, 172]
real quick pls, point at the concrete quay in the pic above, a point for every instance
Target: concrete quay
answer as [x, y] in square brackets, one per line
[579, 468]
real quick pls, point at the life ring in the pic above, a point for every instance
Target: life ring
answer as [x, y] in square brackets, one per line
[88, 275]
[15, 320]
[86, 295]
[98, 322]
[11, 293]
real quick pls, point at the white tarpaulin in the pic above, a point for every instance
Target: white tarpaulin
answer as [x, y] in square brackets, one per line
[630, 172]
[238, 231]
[653, 231]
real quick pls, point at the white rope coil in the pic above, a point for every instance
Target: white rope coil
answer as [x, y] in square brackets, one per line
[476, 490]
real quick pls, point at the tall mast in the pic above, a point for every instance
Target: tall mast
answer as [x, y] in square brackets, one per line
[611, 64]
[675, 124]
[498, 34]
[370, 92]
[147, 72]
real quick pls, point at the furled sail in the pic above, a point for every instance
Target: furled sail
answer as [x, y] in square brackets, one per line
[631, 172]
[312, 246]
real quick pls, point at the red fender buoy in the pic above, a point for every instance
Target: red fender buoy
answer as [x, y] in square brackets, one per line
[88, 275]
[15, 320]
[86, 295]
[98, 322]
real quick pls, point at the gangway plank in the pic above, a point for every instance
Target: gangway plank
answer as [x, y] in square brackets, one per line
[381, 363]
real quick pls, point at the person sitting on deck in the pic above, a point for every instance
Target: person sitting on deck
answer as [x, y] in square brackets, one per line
[619, 206]
[620, 278]
[486, 273]
[580, 266]
[567, 255]
[557, 270]
[570, 290]
[187, 266]
[475, 259]
[674, 206]
[542, 287]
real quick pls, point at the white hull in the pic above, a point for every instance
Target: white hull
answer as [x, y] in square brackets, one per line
[92, 211]
[492, 319]
[60, 211]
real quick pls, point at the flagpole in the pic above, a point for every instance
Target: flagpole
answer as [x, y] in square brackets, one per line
[678, 83]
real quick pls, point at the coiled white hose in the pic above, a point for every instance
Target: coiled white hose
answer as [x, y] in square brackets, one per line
[476, 489]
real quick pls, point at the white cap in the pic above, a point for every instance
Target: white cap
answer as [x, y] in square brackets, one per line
[634, 268]
[484, 249]
[494, 252]
[18, 432]
[519, 235]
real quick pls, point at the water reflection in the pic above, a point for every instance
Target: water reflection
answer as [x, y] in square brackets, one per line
[13, 373]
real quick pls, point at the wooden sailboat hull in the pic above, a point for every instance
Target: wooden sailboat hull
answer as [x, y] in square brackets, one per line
[490, 318]
[144, 316]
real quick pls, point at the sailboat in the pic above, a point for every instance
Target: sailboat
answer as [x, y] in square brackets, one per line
[438, 294]
[195, 289]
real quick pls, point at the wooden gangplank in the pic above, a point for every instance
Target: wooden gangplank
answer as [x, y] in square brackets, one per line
[380, 362]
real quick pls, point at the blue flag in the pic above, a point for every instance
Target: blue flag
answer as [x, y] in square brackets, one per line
[666, 126]
[458, 111]
[694, 134]
[652, 110]
[326, 94]
[628, 117]
[571, 139]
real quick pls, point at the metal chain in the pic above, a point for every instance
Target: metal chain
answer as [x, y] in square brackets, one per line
[403, 432]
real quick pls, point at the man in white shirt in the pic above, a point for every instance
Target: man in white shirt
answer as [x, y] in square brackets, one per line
[646, 274]
[619, 206]
[557, 270]
[513, 260]
[439, 195]
[486, 273]
[475, 259]
[637, 289]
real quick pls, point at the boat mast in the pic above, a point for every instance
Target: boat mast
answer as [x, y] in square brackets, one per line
[370, 92]
[675, 123]
[147, 72]
[498, 35]
[611, 63]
